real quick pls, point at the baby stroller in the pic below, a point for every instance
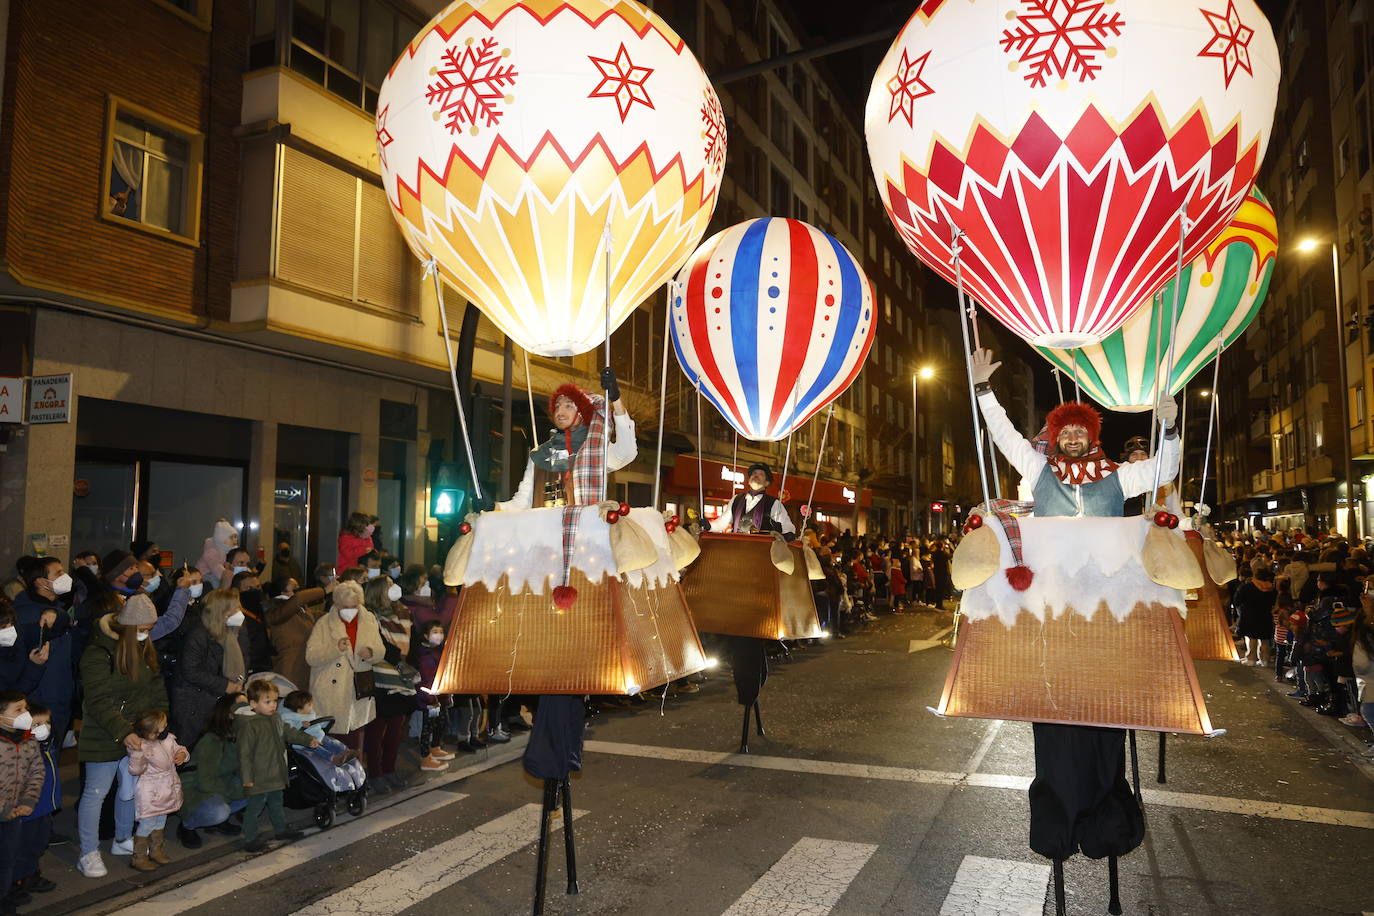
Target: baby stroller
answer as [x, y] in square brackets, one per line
[313, 779]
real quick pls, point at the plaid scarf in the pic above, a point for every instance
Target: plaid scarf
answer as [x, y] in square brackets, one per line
[1091, 468]
[587, 490]
[1007, 510]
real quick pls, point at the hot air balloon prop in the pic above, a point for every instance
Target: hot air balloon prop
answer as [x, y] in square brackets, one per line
[773, 319]
[524, 147]
[1222, 291]
[1065, 139]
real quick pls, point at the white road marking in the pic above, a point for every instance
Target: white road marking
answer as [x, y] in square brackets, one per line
[997, 887]
[984, 746]
[1221, 804]
[920, 645]
[808, 880]
[222, 881]
[416, 879]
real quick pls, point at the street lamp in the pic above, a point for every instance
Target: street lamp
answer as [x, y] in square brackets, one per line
[924, 373]
[1306, 246]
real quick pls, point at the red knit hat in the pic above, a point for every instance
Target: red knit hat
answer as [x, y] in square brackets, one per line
[579, 400]
[1073, 413]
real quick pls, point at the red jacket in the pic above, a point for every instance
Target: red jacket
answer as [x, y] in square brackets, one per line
[351, 549]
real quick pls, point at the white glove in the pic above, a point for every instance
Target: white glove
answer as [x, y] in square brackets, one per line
[1167, 411]
[982, 366]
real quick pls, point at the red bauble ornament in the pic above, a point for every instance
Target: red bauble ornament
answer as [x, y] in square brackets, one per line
[676, 521]
[465, 528]
[670, 526]
[1162, 519]
[612, 517]
[1173, 522]
[624, 508]
[974, 522]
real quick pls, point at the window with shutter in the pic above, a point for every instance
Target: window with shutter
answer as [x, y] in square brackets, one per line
[386, 269]
[317, 224]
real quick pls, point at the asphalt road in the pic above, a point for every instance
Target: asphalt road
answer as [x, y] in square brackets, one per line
[857, 801]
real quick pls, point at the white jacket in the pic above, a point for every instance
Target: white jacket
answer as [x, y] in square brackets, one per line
[620, 451]
[331, 671]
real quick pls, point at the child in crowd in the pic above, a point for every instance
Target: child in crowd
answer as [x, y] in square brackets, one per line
[21, 785]
[298, 711]
[158, 792]
[425, 653]
[262, 739]
[37, 826]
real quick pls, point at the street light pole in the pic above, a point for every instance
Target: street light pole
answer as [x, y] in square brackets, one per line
[1351, 517]
[923, 372]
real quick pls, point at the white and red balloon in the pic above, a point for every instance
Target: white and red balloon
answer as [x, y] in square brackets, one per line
[1064, 138]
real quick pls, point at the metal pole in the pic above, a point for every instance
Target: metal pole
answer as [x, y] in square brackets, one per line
[701, 483]
[1211, 425]
[1058, 384]
[884, 36]
[968, 368]
[606, 238]
[1183, 222]
[507, 369]
[663, 393]
[1351, 518]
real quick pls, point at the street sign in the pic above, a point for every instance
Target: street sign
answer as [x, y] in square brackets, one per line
[11, 400]
[50, 398]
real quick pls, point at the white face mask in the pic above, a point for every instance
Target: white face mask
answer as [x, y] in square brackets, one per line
[237, 570]
[424, 591]
[436, 639]
[346, 614]
[393, 593]
[94, 567]
[152, 584]
[22, 722]
[234, 620]
[197, 590]
[373, 573]
[758, 485]
[61, 585]
[41, 732]
[142, 637]
[8, 636]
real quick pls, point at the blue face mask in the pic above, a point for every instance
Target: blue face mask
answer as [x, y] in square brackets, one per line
[134, 582]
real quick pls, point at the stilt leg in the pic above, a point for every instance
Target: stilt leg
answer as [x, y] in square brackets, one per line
[1059, 909]
[758, 719]
[568, 837]
[1114, 903]
[542, 864]
[744, 733]
[1163, 736]
[1135, 766]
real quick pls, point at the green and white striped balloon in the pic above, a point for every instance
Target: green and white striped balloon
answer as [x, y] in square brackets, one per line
[1223, 289]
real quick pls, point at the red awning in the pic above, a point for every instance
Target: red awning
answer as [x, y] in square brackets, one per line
[717, 484]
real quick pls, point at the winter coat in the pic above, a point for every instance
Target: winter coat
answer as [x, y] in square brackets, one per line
[217, 546]
[331, 671]
[351, 549]
[21, 772]
[198, 684]
[262, 742]
[159, 788]
[287, 569]
[396, 641]
[215, 773]
[51, 797]
[423, 610]
[1322, 643]
[254, 642]
[57, 684]
[1255, 608]
[111, 699]
[1362, 663]
[427, 663]
[289, 624]
[17, 671]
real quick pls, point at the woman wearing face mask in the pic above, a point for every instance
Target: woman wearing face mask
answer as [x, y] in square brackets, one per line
[44, 620]
[210, 666]
[20, 669]
[355, 539]
[120, 678]
[291, 615]
[395, 698]
[343, 643]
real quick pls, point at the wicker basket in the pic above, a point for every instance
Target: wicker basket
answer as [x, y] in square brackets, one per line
[734, 589]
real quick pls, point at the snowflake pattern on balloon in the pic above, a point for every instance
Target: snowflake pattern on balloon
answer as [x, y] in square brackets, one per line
[472, 85]
[1230, 41]
[907, 86]
[712, 130]
[1061, 37]
[623, 81]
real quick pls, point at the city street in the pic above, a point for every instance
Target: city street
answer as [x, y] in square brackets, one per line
[856, 801]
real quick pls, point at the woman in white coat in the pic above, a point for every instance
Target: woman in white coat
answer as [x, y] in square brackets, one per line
[344, 642]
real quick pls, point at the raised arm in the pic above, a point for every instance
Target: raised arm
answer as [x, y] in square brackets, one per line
[1140, 477]
[1018, 451]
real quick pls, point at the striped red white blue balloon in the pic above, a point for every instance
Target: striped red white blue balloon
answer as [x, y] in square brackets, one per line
[772, 319]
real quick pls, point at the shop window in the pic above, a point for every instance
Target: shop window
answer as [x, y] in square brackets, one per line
[104, 496]
[153, 172]
[184, 500]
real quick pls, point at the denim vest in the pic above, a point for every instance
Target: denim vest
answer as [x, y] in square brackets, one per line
[1100, 498]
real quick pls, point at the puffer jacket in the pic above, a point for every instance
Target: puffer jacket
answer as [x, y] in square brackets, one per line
[21, 772]
[51, 798]
[159, 788]
[112, 699]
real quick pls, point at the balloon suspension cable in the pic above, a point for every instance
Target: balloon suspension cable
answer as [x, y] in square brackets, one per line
[955, 250]
[701, 481]
[1073, 358]
[1058, 384]
[1182, 437]
[734, 465]
[1154, 406]
[787, 455]
[1184, 224]
[663, 391]
[816, 474]
[1212, 411]
[432, 270]
[529, 392]
[606, 241]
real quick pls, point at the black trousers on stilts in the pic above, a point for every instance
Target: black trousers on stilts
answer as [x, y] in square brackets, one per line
[1080, 799]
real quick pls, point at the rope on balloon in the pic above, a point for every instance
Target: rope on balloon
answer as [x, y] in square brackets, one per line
[1211, 427]
[956, 250]
[663, 391]
[432, 270]
[529, 392]
[1184, 224]
[787, 456]
[816, 474]
[1077, 392]
[1058, 384]
[734, 465]
[606, 241]
[701, 481]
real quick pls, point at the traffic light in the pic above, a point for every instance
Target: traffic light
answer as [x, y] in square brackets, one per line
[446, 497]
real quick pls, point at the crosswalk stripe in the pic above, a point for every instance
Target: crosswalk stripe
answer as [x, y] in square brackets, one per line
[430, 871]
[997, 887]
[808, 880]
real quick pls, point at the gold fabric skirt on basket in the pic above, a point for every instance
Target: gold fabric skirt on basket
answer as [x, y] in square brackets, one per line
[1209, 635]
[735, 589]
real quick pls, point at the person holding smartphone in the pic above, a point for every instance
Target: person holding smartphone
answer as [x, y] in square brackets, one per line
[44, 622]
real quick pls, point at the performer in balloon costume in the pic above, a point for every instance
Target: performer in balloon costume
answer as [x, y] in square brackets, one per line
[549, 471]
[755, 511]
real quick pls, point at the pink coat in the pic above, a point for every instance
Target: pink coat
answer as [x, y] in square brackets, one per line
[351, 549]
[159, 788]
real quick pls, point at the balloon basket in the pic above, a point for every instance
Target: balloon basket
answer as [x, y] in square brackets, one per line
[735, 589]
[1209, 635]
[614, 639]
[1134, 672]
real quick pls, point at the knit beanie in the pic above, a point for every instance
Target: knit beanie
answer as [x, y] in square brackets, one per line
[137, 611]
[223, 530]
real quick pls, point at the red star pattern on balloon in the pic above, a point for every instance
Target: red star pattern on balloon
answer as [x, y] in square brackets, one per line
[907, 86]
[384, 137]
[1231, 41]
[623, 81]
